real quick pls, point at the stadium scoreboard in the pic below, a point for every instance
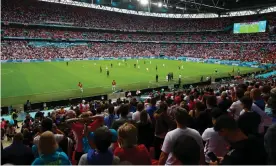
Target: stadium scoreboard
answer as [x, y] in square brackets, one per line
[250, 27]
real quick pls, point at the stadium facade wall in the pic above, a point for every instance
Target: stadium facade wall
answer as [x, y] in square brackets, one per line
[183, 58]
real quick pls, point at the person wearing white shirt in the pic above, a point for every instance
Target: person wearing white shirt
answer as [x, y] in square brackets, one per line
[236, 107]
[182, 118]
[136, 115]
[214, 142]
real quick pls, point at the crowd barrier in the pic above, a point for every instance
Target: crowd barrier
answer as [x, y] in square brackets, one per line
[183, 58]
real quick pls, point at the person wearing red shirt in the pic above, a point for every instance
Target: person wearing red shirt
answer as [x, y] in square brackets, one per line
[128, 150]
[191, 103]
[77, 126]
[3, 128]
[3, 123]
[80, 85]
[113, 85]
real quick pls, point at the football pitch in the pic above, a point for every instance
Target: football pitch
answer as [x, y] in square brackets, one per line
[52, 81]
[249, 28]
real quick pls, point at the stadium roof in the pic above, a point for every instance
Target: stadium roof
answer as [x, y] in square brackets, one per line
[179, 8]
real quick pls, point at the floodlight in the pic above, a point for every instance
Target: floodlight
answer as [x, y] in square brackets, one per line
[160, 4]
[144, 2]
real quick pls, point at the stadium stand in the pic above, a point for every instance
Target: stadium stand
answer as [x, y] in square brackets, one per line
[262, 53]
[186, 37]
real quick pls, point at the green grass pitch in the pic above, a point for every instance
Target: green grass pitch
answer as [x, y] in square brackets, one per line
[50, 81]
[250, 28]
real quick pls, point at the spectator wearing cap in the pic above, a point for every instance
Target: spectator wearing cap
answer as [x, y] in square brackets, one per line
[128, 150]
[244, 150]
[181, 118]
[186, 151]
[48, 153]
[269, 138]
[17, 153]
[213, 142]
[100, 154]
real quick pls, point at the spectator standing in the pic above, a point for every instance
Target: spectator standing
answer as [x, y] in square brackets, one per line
[182, 118]
[163, 124]
[255, 95]
[128, 150]
[244, 150]
[236, 106]
[47, 125]
[17, 153]
[136, 114]
[77, 126]
[100, 153]
[269, 138]
[225, 103]
[204, 119]
[270, 144]
[186, 151]
[152, 108]
[145, 130]
[213, 142]
[123, 110]
[10, 132]
[49, 155]
[108, 120]
[249, 106]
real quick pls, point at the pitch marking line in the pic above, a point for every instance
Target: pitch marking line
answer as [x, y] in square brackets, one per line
[6, 71]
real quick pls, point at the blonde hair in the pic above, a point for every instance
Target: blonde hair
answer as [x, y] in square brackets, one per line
[127, 134]
[47, 143]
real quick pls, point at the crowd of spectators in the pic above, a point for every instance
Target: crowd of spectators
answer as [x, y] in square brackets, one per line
[42, 12]
[187, 37]
[263, 53]
[234, 122]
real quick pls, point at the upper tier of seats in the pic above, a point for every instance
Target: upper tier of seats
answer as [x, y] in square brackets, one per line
[187, 37]
[42, 12]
